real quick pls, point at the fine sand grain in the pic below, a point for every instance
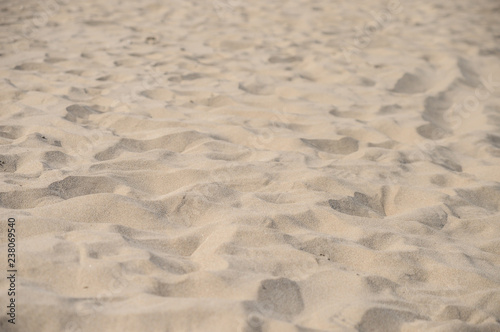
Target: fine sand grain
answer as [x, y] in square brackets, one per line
[247, 166]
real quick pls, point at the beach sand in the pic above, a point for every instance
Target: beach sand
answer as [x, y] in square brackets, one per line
[236, 165]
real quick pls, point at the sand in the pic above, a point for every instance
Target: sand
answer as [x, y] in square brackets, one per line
[249, 166]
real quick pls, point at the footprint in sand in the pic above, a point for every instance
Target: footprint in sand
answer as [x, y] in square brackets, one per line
[359, 205]
[345, 145]
[282, 296]
[410, 83]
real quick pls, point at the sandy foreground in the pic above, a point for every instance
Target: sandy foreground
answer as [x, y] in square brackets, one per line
[236, 165]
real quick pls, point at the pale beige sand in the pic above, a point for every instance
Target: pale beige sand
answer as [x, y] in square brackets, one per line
[251, 165]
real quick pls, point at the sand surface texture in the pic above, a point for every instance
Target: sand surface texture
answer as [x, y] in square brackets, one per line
[250, 166]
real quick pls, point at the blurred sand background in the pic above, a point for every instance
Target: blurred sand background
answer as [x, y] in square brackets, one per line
[236, 165]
